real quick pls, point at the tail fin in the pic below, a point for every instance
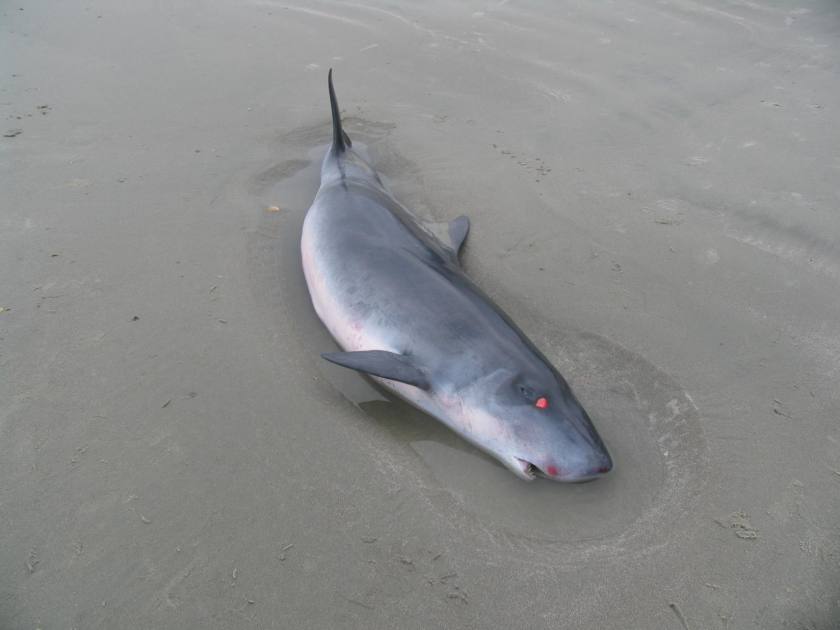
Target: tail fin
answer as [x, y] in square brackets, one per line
[340, 139]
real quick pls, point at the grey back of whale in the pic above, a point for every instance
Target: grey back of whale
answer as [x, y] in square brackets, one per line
[394, 296]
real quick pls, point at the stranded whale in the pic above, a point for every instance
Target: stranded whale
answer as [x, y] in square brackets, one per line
[392, 293]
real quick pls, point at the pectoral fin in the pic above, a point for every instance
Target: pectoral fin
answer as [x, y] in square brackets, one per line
[396, 367]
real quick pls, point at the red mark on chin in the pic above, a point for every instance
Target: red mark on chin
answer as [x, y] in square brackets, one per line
[542, 403]
[552, 470]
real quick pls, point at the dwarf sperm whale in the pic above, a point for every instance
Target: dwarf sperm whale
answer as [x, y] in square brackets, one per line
[391, 291]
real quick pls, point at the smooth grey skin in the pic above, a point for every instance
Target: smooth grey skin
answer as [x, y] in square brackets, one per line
[395, 298]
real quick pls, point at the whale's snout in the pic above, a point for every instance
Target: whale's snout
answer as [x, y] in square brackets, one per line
[598, 465]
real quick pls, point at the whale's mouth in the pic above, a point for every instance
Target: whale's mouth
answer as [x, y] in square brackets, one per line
[528, 470]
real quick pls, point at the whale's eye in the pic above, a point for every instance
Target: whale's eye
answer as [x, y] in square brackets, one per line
[542, 403]
[527, 392]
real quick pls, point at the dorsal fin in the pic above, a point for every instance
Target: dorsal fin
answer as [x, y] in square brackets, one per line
[340, 139]
[458, 230]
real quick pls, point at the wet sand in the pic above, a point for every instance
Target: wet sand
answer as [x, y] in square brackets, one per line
[653, 189]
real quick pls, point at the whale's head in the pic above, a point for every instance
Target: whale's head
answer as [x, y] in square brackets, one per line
[531, 421]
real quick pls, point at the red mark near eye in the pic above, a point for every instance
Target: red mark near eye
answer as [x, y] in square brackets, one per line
[552, 470]
[542, 403]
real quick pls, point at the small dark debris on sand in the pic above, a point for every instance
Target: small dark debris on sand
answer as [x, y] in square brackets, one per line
[283, 551]
[458, 594]
[32, 561]
[358, 603]
[740, 522]
[678, 613]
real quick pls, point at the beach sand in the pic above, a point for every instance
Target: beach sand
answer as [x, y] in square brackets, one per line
[653, 190]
